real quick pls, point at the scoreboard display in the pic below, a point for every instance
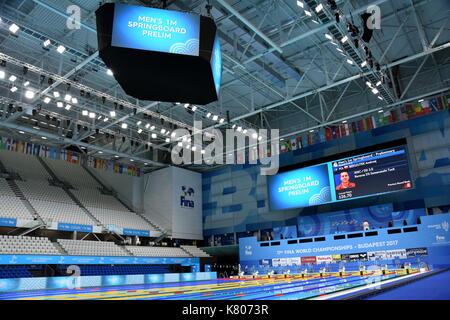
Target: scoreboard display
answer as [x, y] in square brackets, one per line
[156, 30]
[364, 175]
[159, 54]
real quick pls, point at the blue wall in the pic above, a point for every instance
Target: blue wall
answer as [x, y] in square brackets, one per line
[235, 198]
[23, 284]
[433, 234]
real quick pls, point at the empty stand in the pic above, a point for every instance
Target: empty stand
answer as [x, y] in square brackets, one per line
[61, 212]
[7, 272]
[28, 167]
[142, 251]
[71, 173]
[93, 197]
[86, 203]
[5, 190]
[92, 248]
[14, 207]
[195, 252]
[26, 245]
[41, 190]
[124, 219]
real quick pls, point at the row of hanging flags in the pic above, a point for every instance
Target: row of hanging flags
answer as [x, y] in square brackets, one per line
[42, 151]
[405, 112]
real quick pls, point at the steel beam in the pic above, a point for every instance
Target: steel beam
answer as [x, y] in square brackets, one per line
[59, 139]
[340, 82]
[250, 25]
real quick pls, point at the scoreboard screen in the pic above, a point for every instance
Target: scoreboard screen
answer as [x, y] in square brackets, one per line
[152, 29]
[364, 175]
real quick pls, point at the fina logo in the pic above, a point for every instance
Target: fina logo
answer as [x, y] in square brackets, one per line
[445, 226]
[186, 198]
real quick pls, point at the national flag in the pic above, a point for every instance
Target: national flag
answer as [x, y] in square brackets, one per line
[285, 146]
[418, 109]
[75, 158]
[253, 154]
[446, 101]
[12, 145]
[240, 157]
[394, 115]
[373, 121]
[347, 129]
[334, 132]
[322, 135]
[64, 154]
[44, 151]
[403, 114]
[36, 149]
[69, 156]
[293, 143]
[269, 150]
[20, 146]
[359, 125]
[426, 106]
[354, 127]
[433, 104]
[328, 134]
[410, 111]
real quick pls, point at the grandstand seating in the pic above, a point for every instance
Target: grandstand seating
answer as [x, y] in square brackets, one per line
[195, 252]
[28, 167]
[41, 190]
[53, 203]
[92, 248]
[5, 190]
[92, 197]
[61, 212]
[27, 245]
[13, 207]
[16, 271]
[71, 173]
[143, 251]
[124, 219]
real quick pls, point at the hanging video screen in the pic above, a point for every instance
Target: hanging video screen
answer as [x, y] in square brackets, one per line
[359, 176]
[155, 29]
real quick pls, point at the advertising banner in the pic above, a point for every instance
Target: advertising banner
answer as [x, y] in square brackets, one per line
[396, 254]
[59, 259]
[306, 260]
[416, 252]
[134, 232]
[324, 259]
[8, 222]
[74, 227]
[376, 255]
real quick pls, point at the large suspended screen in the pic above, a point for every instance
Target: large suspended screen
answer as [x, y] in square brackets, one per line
[355, 177]
[158, 30]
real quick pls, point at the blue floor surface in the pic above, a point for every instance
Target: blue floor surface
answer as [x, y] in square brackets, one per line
[436, 287]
